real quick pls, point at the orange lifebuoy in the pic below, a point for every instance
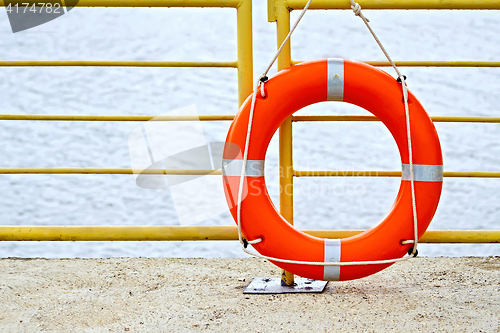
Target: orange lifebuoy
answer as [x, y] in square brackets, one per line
[361, 85]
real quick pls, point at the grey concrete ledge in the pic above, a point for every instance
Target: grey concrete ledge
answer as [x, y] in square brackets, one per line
[190, 295]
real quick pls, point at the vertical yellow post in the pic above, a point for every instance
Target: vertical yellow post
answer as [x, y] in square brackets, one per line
[285, 131]
[271, 10]
[245, 49]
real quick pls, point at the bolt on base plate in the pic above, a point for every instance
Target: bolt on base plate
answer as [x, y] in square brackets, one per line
[273, 286]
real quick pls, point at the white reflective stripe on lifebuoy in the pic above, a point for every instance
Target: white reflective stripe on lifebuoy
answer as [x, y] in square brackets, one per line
[332, 254]
[335, 80]
[255, 168]
[423, 173]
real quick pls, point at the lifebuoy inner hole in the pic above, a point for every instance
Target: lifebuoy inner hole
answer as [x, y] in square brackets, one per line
[354, 202]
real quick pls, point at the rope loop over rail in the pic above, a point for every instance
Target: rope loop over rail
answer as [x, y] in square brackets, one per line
[261, 82]
[263, 79]
[356, 8]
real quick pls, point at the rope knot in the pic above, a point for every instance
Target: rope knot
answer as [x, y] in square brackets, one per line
[356, 8]
[263, 79]
[413, 252]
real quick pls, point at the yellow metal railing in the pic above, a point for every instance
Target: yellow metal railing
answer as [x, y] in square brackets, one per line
[187, 172]
[244, 65]
[60, 117]
[393, 4]
[279, 12]
[244, 39]
[149, 3]
[207, 233]
[430, 63]
[114, 63]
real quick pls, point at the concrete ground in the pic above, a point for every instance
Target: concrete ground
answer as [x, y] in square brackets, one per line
[190, 295]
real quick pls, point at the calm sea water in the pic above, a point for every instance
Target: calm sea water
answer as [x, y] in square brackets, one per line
[210, 34]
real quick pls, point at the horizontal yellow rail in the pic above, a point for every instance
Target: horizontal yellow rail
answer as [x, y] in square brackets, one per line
[430, 236]
[231, 64]
[397, 4]
[418, 63]
[437, 119]
[372, 173]
[84, 63]
[107, 171]
[436, 63]
[296, 173]
[141, 3]
[57, 117]
[213, 233]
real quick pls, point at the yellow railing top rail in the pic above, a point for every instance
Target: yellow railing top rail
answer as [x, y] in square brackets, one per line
[143, 3]
[397, 4]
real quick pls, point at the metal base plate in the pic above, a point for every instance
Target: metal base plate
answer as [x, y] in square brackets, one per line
[273, 286]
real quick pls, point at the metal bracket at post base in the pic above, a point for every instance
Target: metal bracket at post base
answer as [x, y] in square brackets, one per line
[273, 286]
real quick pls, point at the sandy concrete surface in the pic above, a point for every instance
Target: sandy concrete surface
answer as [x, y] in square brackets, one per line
[190, 295]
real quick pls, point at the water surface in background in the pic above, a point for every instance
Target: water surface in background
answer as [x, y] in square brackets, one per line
[210, 35]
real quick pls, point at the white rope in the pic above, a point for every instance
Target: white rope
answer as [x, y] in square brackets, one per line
[244, 168]
[261, 79]
[357, 11]
[410, 158]
[287, 37]
[321, 263]
[356, 8]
